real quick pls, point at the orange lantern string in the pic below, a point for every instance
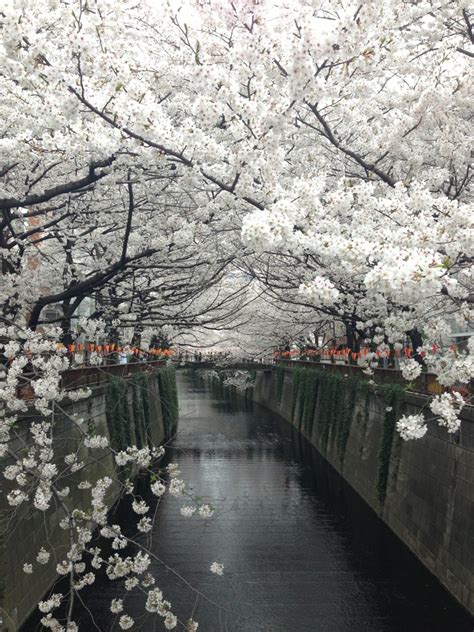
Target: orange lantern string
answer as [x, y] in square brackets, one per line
[70, 348]
[99, 348]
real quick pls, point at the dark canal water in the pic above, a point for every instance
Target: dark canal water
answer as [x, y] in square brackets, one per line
[302, 552]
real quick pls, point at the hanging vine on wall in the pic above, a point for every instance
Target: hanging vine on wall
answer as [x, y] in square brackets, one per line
[394, 402]
[128, 412]
[329, 399]
[140, 407]
[345, 420]
[296, 390]
[280, 381]
[325, 402]
[169, 400]
[310, 397]
[145, 393]
[118, 414]
[314, 401]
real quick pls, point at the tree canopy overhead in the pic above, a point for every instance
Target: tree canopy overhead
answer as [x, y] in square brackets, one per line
[265, 166]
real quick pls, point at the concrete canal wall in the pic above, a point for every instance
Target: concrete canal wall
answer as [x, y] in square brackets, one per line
[423, 490]
[140, 409]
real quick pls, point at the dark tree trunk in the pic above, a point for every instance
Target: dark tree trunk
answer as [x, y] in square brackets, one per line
[353, 339]
[416, 342]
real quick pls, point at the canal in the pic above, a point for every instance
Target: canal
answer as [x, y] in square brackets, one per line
[302, 552]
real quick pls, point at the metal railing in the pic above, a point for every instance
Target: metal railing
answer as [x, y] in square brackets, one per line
[89, 376]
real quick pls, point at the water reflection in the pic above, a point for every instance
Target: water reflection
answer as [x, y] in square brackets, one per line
[301, 550]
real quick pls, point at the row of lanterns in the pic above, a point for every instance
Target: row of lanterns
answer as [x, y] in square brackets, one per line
[105, 349]
[340, 354]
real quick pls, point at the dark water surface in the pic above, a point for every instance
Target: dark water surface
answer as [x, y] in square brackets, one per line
[302, 552]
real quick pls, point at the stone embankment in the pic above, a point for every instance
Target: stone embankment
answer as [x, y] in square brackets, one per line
[423, 490]
[129, 407]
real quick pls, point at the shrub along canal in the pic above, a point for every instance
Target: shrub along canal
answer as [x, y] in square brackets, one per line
[302, 552]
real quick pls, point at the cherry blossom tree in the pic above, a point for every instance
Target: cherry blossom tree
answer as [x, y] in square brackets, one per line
[322, 149]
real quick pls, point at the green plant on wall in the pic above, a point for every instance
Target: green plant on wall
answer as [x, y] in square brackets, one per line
[394, 401]
[297, 373]
[118, 414]
[169, 400]
[349, 397]
[141, 410]
[315, 400]
[128, 409]
[329, 399]
[311, 389]
[323, 407]
[145, 393]
[280, 381]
